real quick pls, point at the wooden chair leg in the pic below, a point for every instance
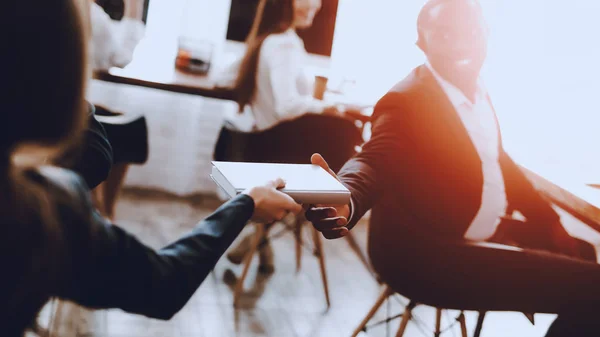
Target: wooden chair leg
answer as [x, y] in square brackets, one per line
[298, 235]
[479, 325]
[463, 324]
[239, 287]
[438, 322]
[405, 319]
[382, 297]
[319, 250]
[112, 187]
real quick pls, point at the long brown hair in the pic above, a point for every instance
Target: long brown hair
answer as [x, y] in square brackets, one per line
[43, 109]
[272, 17]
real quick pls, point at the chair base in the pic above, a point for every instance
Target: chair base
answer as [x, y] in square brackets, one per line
[407, 316]
[258, 238]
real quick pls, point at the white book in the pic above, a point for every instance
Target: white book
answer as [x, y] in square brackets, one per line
[305, 183]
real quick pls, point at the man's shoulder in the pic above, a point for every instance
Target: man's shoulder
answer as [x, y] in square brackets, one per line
[408, 84]
[413, 84]
[403, 94]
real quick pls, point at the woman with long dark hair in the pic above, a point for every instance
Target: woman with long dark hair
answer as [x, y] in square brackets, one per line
[55, 244]
[270, 83]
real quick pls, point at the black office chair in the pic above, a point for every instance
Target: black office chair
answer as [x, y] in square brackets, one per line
[128, 135]
[441, 297]
[391, 288]
[293, 142]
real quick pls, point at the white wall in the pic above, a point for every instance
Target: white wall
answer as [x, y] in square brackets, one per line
[374, 42]
[205, 19]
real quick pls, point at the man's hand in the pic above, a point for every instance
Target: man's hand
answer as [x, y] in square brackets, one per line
[270, 204]
[331, 220]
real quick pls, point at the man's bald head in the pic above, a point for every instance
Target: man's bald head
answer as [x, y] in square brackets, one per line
[435, 11]
[453, 36]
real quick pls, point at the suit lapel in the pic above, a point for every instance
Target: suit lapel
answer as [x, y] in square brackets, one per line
[444, 110]
[489, 99]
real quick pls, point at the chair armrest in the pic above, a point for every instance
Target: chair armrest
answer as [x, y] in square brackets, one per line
[491, 245]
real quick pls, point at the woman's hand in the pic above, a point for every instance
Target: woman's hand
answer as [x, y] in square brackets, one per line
[270, 204]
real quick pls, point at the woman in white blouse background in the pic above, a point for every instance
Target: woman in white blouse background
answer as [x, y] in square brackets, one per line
[271, 84]
[113, 42]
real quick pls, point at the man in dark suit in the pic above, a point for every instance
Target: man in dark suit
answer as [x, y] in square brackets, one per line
[436, 177]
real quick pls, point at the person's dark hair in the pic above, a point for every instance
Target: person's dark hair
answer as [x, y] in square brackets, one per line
[272, 17]
[42, 105]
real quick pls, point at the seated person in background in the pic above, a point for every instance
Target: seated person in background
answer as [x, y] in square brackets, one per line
[113, 42]
[270, 81]
[56, 244]
[435, 174]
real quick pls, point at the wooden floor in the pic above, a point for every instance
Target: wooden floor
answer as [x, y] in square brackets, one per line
[285, 304]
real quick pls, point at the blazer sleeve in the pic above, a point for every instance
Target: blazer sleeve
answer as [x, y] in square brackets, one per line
[523, 196]
[381, 158]
[106, 267]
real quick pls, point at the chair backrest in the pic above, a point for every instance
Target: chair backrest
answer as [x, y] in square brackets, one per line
[293, 141]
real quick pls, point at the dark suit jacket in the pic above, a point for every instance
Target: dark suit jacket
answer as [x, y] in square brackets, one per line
[92, 157]
[421, 170]
[99, 265]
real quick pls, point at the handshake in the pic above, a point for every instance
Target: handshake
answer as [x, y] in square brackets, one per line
[272, 205]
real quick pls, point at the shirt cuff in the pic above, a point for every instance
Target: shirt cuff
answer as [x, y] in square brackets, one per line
[351, 210]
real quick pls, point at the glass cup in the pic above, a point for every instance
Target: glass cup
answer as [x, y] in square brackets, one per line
[194, 55]
[320, 87]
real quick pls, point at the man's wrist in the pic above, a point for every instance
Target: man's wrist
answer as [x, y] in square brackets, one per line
[350, 210]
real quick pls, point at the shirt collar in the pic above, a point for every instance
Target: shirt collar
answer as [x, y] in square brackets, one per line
[454, 94]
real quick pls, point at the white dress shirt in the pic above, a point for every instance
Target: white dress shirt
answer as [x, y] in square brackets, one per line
[480, 122]
[113, 42]
[283, 89]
